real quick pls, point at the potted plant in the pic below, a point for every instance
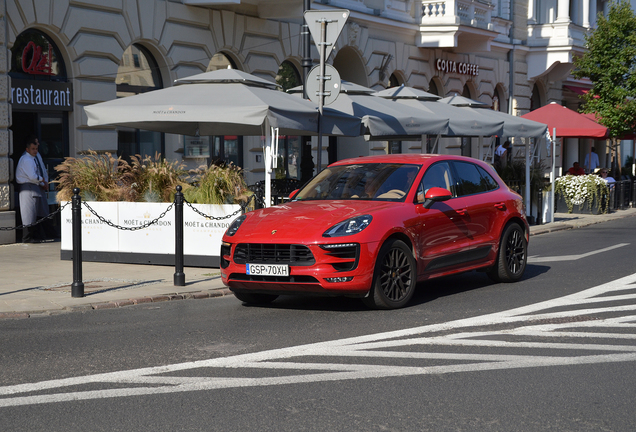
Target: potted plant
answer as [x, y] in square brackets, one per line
[129, 195]
[590, 190]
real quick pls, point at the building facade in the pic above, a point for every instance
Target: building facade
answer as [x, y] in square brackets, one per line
[56, 57]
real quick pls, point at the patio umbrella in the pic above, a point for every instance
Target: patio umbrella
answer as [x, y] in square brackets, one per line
[462, 123]
[384, 120]
[223, 102]
[404, 92]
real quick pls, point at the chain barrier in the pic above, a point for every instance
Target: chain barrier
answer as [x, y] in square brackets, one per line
[123, 228]
[50, 216]
[200, 213]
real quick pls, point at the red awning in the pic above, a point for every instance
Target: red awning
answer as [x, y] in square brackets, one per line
[568, 123]
[577, 90]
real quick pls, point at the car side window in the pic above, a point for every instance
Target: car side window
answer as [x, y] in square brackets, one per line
[470, 179]
[490, 182]
[437, 175]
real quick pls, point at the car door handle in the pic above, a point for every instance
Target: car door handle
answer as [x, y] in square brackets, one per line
[462, 212]
[500, 206]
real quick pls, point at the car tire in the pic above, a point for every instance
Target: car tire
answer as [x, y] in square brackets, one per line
[394, 277]
[255, 298]
[512, 256]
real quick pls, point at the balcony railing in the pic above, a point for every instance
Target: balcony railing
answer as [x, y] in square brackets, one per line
[471, 13]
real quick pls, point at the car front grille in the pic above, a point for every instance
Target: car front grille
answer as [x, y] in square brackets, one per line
[259, 253]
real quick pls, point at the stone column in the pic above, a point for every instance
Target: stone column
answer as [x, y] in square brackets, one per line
[586, 13]
[563, 11]
[7, 215]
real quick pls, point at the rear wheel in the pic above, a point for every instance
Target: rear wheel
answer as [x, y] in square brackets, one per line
[394, 278]
[255, 298]
[512, 256]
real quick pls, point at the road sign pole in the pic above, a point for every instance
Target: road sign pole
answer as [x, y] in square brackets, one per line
[328, 37]
[321, 90]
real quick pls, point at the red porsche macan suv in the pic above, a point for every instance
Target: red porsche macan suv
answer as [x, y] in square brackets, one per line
[374, 226]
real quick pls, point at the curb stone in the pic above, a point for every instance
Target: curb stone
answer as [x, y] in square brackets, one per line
[119, 303]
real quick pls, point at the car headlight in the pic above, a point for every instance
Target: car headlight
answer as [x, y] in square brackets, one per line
[349, 227]
[234, 226]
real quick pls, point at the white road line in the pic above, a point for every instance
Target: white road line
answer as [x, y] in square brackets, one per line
[417, 345]
[537, 259]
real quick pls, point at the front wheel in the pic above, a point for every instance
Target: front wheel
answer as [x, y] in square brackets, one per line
[394, 278]
[512, 257]
[255, 298]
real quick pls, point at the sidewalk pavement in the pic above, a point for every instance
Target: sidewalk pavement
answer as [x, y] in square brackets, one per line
[36, 282]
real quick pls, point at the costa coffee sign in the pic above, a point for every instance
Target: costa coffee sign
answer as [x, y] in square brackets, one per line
[450, 66]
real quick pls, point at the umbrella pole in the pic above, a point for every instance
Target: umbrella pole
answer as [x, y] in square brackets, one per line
[528, 160]
[553, 175]
[268, 165]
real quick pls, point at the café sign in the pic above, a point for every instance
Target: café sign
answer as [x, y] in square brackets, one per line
[450, 66]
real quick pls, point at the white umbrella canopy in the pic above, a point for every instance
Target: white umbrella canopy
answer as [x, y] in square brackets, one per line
[383, 119]
[222, 102]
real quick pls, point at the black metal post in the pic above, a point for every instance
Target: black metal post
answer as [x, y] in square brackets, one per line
[77, 288]
[179, 276]
[539, 220]
[306, 44]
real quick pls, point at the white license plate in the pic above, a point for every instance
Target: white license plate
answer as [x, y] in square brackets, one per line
[267, 269]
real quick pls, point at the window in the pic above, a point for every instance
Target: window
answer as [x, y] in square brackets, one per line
[438, 175]
[289, 151]
[472, 179]
[288, 76]
[138, 73]
[227, 148]
[35, 56]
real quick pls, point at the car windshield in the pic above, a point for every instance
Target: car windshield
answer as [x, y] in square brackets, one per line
[372, 181]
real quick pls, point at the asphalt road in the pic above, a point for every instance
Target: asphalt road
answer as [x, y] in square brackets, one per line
[555, 351]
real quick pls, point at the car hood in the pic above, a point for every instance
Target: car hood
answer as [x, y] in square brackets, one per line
[302, 221]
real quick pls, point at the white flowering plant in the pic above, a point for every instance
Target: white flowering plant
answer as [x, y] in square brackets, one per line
[579, 190]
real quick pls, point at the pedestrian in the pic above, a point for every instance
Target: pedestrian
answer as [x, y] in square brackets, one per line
[604, 173]
[576, 170]
[33, 183]
[591, 167]
[501, 154]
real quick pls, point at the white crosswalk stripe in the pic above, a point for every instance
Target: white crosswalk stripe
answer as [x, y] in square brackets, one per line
[593, 326]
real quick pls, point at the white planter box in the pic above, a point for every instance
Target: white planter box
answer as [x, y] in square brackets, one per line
[154, 244]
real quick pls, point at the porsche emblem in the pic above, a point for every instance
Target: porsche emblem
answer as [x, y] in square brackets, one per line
[274, 232]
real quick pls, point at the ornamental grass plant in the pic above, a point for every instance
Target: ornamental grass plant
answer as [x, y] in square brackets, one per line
[218, 184]
[156, 179]
[100, 177]
[103, 177]
[585, 189]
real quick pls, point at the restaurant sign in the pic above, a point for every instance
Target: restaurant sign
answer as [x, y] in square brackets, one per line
[37, 95]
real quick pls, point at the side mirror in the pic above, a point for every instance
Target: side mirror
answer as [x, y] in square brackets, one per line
[293, 194]
[436, 194]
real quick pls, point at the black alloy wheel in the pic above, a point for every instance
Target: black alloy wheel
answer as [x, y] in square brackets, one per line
[394, 278]
[512, 257]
